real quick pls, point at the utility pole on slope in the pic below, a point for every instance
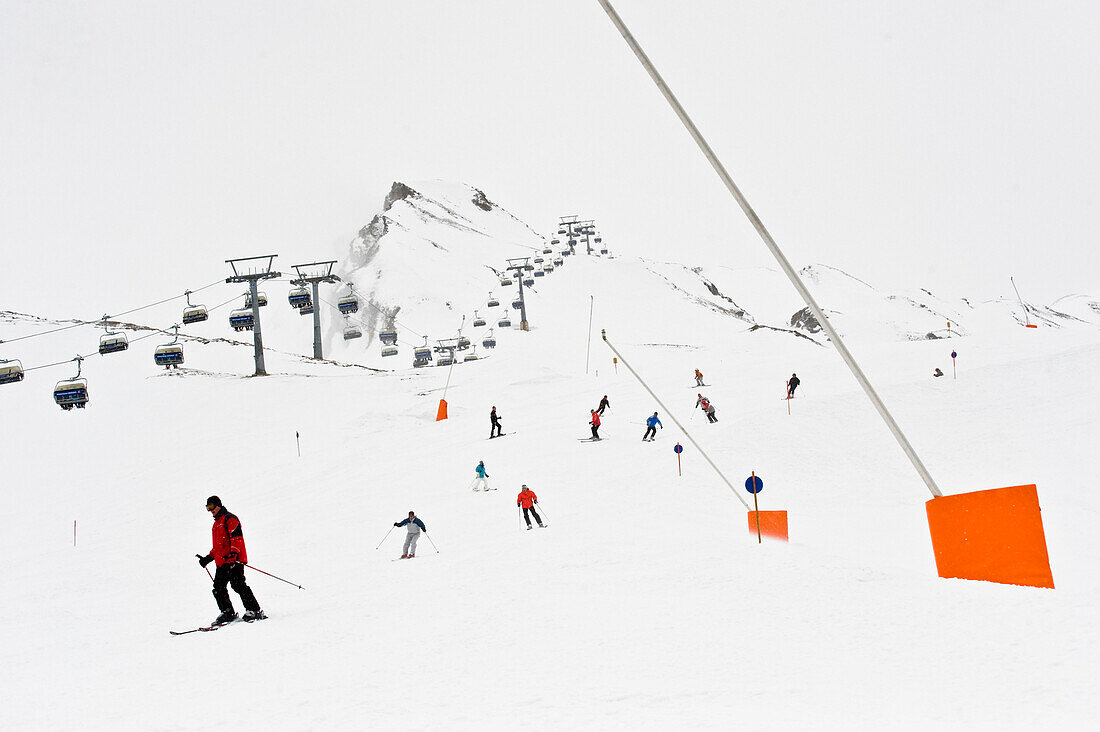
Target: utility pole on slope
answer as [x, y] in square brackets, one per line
[314, 274]
[252, 270]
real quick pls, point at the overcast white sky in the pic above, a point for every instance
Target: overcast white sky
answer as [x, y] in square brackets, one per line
[938, 144]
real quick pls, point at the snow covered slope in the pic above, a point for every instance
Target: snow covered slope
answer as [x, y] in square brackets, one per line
[646, 604]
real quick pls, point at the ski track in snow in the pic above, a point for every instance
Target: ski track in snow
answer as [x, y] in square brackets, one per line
[647, 605]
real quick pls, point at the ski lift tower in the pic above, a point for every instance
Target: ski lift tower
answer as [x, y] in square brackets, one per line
[573, 227]
[518, 264]
[252, 270]
[314, 274]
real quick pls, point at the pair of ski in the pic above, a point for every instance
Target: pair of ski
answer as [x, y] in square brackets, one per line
[591, 439]
[209, 628]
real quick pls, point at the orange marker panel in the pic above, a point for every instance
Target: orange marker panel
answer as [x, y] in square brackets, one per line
[772, 524]
[994, 535]
[442, 413]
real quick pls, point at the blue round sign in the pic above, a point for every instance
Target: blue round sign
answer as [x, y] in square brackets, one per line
[953, 354]
[752, 487]
[678, 449]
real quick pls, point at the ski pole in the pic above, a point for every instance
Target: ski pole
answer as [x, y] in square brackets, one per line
[544, 512]
[385, 537]
[432, 543]
[278, 578]
[207, 569]
[519, 519]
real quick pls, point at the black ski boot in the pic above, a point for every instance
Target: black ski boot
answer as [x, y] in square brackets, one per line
[226, 617]
[254, 615]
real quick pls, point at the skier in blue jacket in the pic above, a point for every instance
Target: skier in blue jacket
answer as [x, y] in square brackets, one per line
[481, 480]
[415, 526]
[651, 427]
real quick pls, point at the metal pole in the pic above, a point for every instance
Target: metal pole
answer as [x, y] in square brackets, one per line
[672, 416]
[317, 352]
[257, 337]
[588, 352]
[522, 303]
[386, 536]
[773, 248]
[274, 577]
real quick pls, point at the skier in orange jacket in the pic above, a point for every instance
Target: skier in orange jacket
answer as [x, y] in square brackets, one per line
[527, 500]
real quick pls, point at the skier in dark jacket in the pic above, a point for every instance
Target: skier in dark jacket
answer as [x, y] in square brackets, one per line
[494, 424]
[792, 384]
[604, 404]
[229, 554]
[651, 427]
[415, 526]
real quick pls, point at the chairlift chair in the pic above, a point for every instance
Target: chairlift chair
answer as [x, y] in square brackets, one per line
[539, 273]
[241, 320]
[112, 343]
[193, 313]
[261, 299]
[299, 297]
[599, 239]
[603, 251]
[389, 351]
[528, 267]
[504, 323]
[539, 260]
[168, 355]
[558, 261]
[554, 242]
[490, 341]
[447, 359]
[493, 302]
[423, 353]
[561, 231]
[548, 268]
[517, 304]
[352, 332]
[506, 282]
[565, 252]
[388, 336]
[72, 392]
[528, 283]
[572, 242]
[463, 343]
[348, 305]
[11, 371]
[306, 309]
[479, 322]
[471, 356]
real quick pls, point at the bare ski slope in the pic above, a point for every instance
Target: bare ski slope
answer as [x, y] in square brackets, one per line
[645, 605]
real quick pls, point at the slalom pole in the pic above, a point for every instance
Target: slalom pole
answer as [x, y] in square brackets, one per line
[756, 506]
[788, 399]
[298, 439]
[432, 542]
[385, 537]
[271, 575]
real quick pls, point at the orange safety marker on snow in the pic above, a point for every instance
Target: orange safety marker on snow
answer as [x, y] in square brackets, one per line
[1031, 325]
[441, 414]
[993, 535]
[772, 524]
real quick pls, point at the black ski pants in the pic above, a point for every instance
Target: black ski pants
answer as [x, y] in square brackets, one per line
[533, 513]
[595, 432]
[233, 575]
[494, 427]
[651, 432]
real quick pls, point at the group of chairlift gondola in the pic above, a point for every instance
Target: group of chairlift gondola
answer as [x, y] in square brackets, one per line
[73, 393]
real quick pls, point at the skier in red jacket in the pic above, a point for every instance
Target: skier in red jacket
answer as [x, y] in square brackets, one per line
[595, 422]
[527, 499]
[229, 554]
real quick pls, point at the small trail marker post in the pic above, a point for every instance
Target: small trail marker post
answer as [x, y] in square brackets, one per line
[615, 361]
[298, 439]
[788, 386]
[953, 374]
[754, 485]
[74, 532]
[678, 449]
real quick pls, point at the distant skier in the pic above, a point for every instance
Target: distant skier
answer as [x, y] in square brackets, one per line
[937, 372]
[527, 499]
[595, 422]
[494, 424]
[699, 378]
[792, 384]
[651, 427]
[482, 477]
[229, 554]
[699, 399]
[604, 404]
[415, 526]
